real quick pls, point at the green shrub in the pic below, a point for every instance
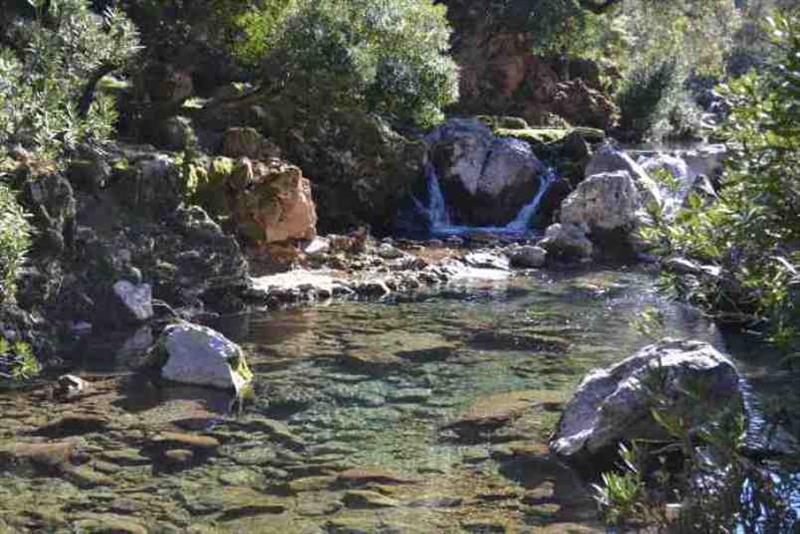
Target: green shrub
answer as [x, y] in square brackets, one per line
[45, 70]
[17, 360]
[642, 96]
[15, 240]
[387, 56]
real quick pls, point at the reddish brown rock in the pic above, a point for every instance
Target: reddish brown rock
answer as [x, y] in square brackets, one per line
[270, 201]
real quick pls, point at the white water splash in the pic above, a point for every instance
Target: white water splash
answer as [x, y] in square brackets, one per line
[439, 217]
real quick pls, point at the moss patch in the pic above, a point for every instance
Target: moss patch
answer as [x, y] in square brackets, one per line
[551, 135]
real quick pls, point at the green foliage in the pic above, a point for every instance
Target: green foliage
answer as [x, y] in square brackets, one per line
[621, 495]
[15, 240]
[752, 231]
[18, 357]
[43, 78]
[376, 55]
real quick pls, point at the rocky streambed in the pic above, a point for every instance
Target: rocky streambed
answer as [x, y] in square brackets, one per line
[425, 414]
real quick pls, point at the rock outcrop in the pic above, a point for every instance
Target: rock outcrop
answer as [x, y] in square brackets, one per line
[501, 75]
[614, 405]
[200, 356]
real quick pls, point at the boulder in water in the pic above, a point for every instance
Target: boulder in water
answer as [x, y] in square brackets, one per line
[486, 179]
[614, 405]
[200, 356]
[487, 260]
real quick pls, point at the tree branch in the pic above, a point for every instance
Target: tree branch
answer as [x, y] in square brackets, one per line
[87, 95]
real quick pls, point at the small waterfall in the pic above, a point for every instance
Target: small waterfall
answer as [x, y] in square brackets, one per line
[438, 207]
[522, 222]
[439, 218]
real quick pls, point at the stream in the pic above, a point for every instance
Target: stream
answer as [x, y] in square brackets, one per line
[425, 414]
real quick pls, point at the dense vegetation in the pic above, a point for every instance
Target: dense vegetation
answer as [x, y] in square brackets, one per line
[382, 56]
[752, 231]
[14, 241]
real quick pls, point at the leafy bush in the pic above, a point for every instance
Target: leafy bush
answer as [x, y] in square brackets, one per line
[752, 232]
[388, 56]
[15, 240]
[46, 70]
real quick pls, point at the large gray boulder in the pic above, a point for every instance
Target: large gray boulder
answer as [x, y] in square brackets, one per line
[613, 405]
[610, 159]
[606, 202]
[485, 179]
[200, 356]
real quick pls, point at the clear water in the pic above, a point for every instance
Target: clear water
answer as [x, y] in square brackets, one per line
[443, 402]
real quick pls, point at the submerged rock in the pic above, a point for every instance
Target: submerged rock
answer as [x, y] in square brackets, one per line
[614, 405]
[201, 356]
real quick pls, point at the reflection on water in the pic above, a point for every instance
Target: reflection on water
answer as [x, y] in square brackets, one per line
[430, 415]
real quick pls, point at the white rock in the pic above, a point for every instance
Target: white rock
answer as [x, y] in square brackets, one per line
[708, 160]
[201, 356]
[613, 405]
[389, 252]
[605, 201]
[318, 247]
[136, 300]
[487, 260]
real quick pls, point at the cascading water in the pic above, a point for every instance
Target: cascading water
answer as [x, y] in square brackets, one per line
[439, 217]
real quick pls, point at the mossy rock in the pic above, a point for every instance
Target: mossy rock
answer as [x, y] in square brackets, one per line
[205, 183]
[543, 136]
[504, 122]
